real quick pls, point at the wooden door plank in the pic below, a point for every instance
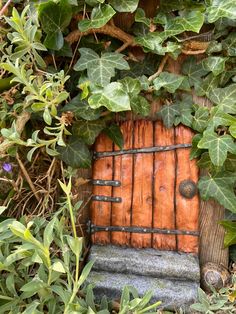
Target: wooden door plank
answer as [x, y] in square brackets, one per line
[187, 210]
[164, 188]
[102, 169]
[123, 167]
[143, 184]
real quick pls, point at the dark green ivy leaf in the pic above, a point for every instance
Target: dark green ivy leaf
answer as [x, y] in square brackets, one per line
[140, 105]
[76, 153]
[131, 86]
[220, 187]
[229, 44]
[81, 109]
[193, 70]
[54, 18]
[219, 9]
[230, 235]
[200, 119]
[115, 134]
[141, 17]
[168, 113]
[225, 98]
[214, 64]
[88, 130]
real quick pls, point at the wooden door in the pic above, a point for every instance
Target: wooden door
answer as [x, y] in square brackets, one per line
[145, 195]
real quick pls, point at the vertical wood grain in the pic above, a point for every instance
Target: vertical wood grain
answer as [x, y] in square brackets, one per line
[143, 184]
[102, 169]
[187, 210]
[123, 168]
[164, 188]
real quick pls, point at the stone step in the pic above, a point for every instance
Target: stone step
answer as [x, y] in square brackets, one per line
[145, 262]
[173, 293]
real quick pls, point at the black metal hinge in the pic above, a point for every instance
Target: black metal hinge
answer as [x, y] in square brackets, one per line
[153, 149]
[103, 198]
[94, 228]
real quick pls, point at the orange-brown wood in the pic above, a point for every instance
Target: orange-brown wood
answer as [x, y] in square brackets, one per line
[102, 169]
[164, 188]
[123, 168]
[143, 184]
[187, 210]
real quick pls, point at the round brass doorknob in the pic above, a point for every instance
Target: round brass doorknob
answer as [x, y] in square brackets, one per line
[188, 188]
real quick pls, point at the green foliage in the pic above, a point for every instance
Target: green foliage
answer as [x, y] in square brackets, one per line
[73, 89]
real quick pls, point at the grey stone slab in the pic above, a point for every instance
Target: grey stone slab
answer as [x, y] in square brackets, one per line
[173, 293]
[146, 262]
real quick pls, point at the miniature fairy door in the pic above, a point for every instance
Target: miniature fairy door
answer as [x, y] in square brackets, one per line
[145, 195]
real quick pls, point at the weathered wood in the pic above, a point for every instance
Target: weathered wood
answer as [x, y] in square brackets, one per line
[187, 210]
[143, 184]
[102, 169]
[121, 212]
[164, 188]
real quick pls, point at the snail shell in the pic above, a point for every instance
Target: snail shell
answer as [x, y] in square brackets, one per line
[214, 275]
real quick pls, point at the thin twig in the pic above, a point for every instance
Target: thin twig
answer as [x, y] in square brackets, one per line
[160, 69]
[5, 7]
[27, 177]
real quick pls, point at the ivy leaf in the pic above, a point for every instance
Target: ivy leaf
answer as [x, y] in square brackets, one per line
[81, 109]
[230, 235]
[221, 118]
[100, 15]
[100, 69]
[115, 134]
[76, 153]
[88, 130]
[185, 108]
[205, 161]
[92, 3]
[214, 64]
[189, 21]
[218, 146]
[113, 97]
[124, 5]
[168, 114]
[169, 81]
[54, 18]
[131, 86]
[140, 105]
[225, 98]
[229, 44]
[193, 70]
[220, 187]
[219, 9]
[195, 151]
[205, 86]
[141, 17]
[200, 119]
[232, 130]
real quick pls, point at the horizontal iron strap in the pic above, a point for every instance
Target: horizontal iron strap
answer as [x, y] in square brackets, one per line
[95, 228]
[153, 149]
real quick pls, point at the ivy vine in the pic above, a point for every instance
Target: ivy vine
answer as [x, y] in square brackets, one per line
[72, 64]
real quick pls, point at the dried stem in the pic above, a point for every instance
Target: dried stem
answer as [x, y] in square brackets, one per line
[27, 177]
[160, 69]
[4, 8]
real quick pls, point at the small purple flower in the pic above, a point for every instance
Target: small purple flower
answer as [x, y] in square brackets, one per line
[7, 167]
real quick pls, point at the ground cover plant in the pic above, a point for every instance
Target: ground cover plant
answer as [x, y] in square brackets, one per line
[67, 68]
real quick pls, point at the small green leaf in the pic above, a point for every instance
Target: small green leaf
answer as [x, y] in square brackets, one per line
[48, 232]
[115, 134]
[200, 119]
[58, 267]
[100, 15]
[168, 113]
[168, 81]
[140, 105]
[100, 69]
[131, 86]
[113, 97]
[214, 64]
[76, 245]
[232, 130]
[76, 153]
[225, 98]
[124, 5]
[85, 273]
[218, 146]
[230, 236]
[193, 70]
[141, 17]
